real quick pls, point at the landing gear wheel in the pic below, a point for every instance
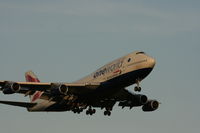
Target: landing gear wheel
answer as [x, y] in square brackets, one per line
[108, 113]
[105, 112]
[90, 111]
[137, 89]
[93, 111]
[87, 112]
[77, 110]
[81, 110]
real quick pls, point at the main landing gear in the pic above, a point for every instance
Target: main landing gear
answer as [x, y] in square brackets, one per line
[90, 111]
[77, 110]
[107, 112]
[137, 88]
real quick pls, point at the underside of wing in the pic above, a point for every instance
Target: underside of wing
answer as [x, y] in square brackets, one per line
[19, 104]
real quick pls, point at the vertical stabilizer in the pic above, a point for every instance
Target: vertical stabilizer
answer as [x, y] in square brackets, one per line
[31, 77]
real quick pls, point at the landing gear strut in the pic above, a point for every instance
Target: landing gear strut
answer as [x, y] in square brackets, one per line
[137, 88]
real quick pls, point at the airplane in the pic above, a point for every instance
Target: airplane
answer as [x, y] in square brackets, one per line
[101, 89]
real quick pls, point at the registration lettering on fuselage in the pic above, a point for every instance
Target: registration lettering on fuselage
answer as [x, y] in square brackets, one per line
[109, 69]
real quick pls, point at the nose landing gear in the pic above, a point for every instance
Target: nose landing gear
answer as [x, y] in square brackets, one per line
[137, 88]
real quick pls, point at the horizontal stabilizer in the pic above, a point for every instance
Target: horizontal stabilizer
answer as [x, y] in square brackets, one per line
[20, 104]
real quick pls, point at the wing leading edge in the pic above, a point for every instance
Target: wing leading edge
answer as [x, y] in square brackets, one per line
[27, 87]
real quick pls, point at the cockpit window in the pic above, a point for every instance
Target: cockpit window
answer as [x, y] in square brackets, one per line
[140, 53]
[129, 59]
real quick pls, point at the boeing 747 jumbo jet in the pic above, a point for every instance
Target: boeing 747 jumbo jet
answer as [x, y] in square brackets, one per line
[102, 89]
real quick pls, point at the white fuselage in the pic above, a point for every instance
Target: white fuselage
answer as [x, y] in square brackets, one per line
[131, 62]
[121, 72]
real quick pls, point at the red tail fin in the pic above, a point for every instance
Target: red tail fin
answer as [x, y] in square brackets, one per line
[31, 77]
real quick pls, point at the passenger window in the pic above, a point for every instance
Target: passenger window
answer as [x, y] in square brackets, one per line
[140, 53]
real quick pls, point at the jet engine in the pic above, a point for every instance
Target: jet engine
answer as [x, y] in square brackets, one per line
[59, 89]
[137, 100]
[10, 87]
[151, 105]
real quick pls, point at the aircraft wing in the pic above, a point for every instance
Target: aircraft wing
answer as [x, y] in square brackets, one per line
[20, 104]
[130, 99]
[28, 88]
[123, 94]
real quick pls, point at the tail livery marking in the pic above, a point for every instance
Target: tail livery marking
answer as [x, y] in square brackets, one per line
[31, 77]
[36, 96]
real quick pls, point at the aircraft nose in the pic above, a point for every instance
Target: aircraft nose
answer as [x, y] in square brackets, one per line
[151, 62]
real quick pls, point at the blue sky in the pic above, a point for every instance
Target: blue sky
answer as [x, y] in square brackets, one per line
[66, 40]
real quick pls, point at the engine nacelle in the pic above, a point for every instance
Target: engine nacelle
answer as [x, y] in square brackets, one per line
[140, 100]
[11, 87]
[59, 89]
[151, 105]
[137, 100]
